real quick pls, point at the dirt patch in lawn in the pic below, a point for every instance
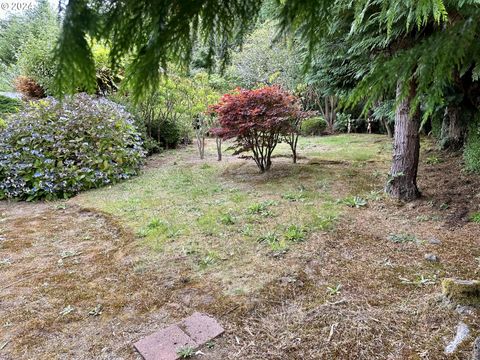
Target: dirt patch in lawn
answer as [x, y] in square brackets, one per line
[76, 284]
[72, 286]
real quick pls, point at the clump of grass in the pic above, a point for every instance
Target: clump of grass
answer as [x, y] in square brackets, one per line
[475, 218]
[227, 219]
[354, 201]
[186, 352]
[402, 238]
[209, 259]
[155, 223]
[334, 290]
[433, 160]
[261, 208]
[294, 196]
[272, 240]
[444, 206]
[246, 230]
[419, 280]
[294, 233]
[323, 222]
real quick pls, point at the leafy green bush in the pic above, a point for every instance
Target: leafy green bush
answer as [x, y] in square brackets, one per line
[9, 106]
[54, 150]
[8, 74]
[169, 133]
[313, 126]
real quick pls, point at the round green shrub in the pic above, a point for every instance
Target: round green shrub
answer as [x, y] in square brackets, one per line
[471, 153]
[56, 149]
[169, 134]
[313, 126]
[8, 105]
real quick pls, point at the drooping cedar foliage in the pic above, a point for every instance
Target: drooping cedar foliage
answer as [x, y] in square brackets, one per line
[257, 119]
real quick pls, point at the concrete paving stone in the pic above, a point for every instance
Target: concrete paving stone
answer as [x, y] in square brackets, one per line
[201, 327]
[164, 344]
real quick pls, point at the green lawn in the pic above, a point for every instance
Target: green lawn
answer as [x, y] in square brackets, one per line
[226, 218]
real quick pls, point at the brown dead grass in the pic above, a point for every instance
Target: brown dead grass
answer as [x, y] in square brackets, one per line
[293, 316]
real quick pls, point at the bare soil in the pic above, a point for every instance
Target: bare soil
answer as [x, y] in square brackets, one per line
[60, 262]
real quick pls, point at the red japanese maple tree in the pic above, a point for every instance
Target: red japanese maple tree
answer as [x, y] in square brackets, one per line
[257, 120]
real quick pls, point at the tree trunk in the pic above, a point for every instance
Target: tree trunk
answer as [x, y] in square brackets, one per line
[402, 184]
[453, 129]
[218, 140]
[388, 128]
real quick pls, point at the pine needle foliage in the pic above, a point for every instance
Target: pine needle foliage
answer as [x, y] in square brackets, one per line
[150, 33]
[374, 44]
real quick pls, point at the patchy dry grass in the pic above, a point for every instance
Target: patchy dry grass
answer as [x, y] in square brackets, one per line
[222, 216]
[287, 261]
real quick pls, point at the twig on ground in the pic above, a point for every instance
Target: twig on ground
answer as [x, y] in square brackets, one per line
[332, 329]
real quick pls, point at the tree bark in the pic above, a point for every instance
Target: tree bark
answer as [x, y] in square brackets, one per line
[453, 129]
[387, 128]
[218, 140]
[402, 184]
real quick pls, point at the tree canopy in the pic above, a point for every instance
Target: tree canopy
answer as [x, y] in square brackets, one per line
[384, 41]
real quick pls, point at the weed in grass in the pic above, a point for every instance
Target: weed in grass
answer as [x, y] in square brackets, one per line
[419, 280]
[227, 219]
[444, 206]
[96, 311]
[375, 195]
[160, 230]
[186, 352]
[402, 238]
[155, 223]
[247, 230]
[294, 233]
[208, 260]
[475, 218]
[67, 310]
[238, 197]
[323, 222]
[272, 240]
[354, 201]
[334, 290]
[261, 208]
[291, 196]
[61, 206]
[422, 218]
[142, 232]
[433, 160]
